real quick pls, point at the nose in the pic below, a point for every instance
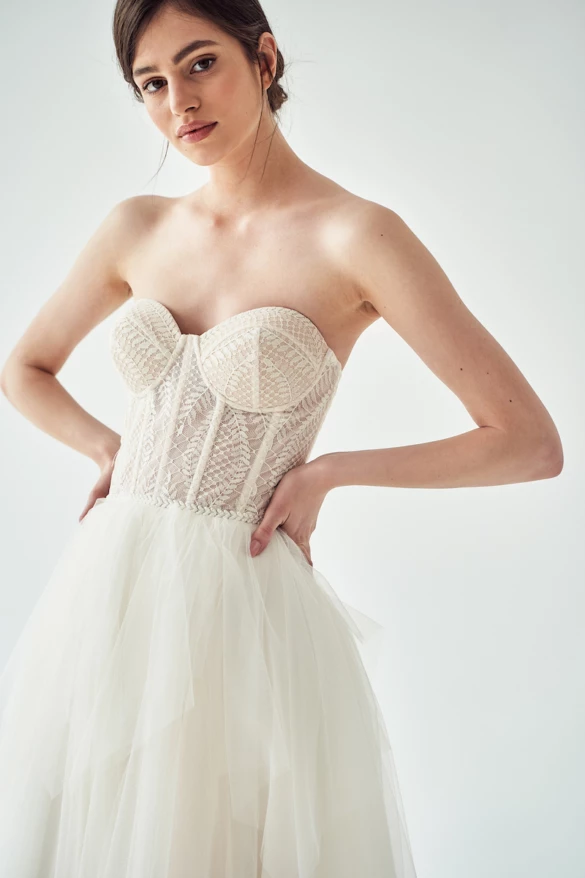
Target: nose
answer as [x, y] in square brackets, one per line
[181, 98]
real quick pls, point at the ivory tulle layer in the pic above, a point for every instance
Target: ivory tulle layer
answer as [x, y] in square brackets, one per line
[175, 708]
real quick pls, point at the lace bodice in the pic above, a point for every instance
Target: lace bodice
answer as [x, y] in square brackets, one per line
[215, 420]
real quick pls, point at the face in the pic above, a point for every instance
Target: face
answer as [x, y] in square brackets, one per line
[211, 82]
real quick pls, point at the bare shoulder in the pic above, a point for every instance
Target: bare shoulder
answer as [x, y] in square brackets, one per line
[369, 232]
[142, 210]
[93, 288]
[357, 231]
[393, 268]
[130, 220]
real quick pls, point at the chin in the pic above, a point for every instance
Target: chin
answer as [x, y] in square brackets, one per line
[199, 153]
[202, 163]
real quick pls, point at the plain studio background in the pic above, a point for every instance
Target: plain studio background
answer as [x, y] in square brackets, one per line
[467, 119]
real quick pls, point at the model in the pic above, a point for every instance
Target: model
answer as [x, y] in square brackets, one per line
[188, 698]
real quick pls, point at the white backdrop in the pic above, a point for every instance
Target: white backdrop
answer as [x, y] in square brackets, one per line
[468, 122]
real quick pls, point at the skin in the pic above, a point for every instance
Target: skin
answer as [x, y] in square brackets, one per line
[267, 229]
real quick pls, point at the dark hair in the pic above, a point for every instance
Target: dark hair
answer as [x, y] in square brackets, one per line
[244, 20]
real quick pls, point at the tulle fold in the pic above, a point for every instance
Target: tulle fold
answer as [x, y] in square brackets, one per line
[176, 708]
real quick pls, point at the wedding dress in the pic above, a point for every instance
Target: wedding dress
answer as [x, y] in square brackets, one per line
[175, 707]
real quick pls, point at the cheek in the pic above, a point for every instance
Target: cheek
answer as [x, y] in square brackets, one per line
[166, 122]
[236, 92]
[158, 117]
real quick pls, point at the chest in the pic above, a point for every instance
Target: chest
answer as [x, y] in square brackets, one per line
[205, 271]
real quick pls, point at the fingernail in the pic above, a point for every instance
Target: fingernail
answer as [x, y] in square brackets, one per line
[255, 546]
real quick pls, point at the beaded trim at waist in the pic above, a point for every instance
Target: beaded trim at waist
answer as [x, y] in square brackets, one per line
[250, 517]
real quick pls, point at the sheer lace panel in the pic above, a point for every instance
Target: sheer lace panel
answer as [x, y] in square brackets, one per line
[214, 421]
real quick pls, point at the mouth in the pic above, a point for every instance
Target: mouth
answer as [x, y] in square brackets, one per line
[194, 126]
[195, 134]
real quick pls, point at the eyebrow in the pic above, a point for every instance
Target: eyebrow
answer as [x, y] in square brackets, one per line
[176, 59]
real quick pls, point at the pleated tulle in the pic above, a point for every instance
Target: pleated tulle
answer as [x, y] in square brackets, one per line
[175, 708]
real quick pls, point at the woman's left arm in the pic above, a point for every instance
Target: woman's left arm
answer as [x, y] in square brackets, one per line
[516, 439]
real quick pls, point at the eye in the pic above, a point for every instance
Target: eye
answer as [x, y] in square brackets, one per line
[145, 88]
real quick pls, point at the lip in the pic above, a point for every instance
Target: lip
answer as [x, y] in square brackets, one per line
[198, 134]
[192, 126]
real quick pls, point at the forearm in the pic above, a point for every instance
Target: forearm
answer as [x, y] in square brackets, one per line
[480, 457]
[42, 399]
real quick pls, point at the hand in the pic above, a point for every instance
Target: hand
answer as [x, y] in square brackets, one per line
[294, 506]
[101, 487]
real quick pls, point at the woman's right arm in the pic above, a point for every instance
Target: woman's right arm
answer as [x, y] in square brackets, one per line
[93, 289]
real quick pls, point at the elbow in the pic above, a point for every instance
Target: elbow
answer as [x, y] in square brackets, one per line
[12, 371]
[550, 458]
[556, 461]
[4, 381]
[539, 449]
[535, 455]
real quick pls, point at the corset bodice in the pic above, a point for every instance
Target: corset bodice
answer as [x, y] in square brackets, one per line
[215, 420]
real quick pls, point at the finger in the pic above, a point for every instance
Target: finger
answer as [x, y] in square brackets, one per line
[262, 534]
[87, 506]
[306, 552]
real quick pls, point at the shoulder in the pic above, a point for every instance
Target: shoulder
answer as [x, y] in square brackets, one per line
[129, 221]
[139, 212]
[361, 222]
[367, 239]
[368, 224]
[379, 247]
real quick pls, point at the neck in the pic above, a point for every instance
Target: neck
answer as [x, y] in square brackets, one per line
[264, 172]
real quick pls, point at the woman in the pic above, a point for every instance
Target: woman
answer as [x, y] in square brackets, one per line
[188, 697]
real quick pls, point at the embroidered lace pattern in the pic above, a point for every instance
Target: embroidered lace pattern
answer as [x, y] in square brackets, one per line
[215, 420]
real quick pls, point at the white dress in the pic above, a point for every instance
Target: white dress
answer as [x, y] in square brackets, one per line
[174, 707]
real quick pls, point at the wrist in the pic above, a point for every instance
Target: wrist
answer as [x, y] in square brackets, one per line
[107, 451]
[323, 472]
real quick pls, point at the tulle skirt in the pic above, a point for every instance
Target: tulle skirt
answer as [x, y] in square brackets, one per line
[176, 708]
